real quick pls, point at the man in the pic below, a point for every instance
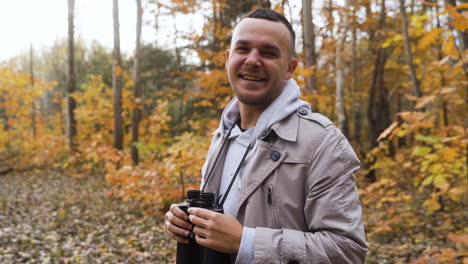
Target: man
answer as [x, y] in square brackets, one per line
[293, 197]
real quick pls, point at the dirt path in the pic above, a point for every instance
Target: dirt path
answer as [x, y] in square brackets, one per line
[46, 217]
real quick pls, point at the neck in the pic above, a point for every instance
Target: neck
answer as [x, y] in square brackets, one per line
[249, 115]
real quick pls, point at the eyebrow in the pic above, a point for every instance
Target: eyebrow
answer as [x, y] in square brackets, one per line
[264, 46]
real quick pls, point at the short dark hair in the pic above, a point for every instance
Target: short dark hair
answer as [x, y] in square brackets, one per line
[268, 14]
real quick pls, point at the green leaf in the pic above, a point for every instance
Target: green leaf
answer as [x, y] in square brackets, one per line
[421, 151]
[428, 180]
[428, 139]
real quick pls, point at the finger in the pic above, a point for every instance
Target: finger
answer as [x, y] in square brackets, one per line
[200, 232]
[178, 212]
[203, 241]
[178, 238]
[176, 230]
[198, 221]
[201, 212]
[173, 219]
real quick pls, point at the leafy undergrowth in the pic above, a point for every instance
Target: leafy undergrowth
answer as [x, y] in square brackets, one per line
[50, 217]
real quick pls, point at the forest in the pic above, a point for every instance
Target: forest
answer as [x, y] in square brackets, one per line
[392, 75]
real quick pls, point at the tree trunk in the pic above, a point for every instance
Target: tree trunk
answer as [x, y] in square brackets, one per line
[330, 18]
[356, 99]
[33, 103]
[442, 79]
[157, 13]
[117, 81]
[309, 48]
[71, 102]
[339, 102]
[414, 78]
[137, 92]
[379, 118]
[378, 111]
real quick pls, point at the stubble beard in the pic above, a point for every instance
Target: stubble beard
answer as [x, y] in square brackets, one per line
[259, 101]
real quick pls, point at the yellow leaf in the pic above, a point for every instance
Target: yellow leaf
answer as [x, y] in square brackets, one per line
[205, 103]
[429, 38]
[449, 48]
[392, 40]
[461, 6]
[449, 154]
[432, 205]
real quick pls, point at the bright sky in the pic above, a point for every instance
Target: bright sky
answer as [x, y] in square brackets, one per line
[41, 22]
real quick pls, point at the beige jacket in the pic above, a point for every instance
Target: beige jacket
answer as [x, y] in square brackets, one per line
[300, 194]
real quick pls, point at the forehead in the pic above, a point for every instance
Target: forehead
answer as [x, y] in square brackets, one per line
[262, 31]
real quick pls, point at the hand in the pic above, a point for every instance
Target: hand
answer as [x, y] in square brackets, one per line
[177, 225]
[221, 232]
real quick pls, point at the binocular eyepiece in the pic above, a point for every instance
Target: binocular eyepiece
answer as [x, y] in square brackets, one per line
[196, 198]
[193, 253]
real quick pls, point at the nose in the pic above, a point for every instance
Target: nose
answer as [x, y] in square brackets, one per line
[253, 58]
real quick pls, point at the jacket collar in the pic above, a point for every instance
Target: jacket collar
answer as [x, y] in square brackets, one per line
[287, 128]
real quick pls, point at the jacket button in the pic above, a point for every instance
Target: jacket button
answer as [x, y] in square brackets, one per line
[293, 262]
[302, 111]
[275, 156]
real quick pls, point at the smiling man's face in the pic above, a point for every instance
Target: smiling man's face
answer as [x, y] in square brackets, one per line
[259, 61]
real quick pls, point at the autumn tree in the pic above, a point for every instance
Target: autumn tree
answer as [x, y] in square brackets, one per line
[136, 113]
[409, 54]
[33, 103]
[71, 103]
[117, 81]
[309, 47]
[378, 112]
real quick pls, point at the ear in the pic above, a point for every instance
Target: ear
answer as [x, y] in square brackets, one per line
[291, 68]
[226, 57]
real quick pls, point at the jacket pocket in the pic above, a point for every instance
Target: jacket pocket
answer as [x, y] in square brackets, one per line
[272, 206]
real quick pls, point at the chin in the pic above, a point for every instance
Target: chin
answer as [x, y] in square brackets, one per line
[253, 100]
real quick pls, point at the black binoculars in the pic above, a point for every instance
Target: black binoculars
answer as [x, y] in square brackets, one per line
[193, 253]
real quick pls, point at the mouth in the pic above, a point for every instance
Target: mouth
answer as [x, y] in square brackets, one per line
[251, 78]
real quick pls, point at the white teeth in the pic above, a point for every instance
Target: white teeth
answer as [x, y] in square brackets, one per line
[250, 78]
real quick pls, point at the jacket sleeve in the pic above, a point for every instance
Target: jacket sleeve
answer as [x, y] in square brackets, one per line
[332, 209]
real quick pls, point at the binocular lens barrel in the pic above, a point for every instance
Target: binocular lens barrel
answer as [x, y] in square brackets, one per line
[193, 253]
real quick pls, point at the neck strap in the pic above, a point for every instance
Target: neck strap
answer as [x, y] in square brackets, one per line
[220, 204]
[223, 146]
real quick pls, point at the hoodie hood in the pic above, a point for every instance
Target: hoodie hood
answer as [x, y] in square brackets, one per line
[285, 104]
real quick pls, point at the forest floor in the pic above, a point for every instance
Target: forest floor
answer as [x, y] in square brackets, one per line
[51, 217]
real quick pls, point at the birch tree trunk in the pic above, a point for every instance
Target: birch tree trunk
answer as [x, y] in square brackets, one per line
[309, 48]
[339, 101]
[137, 92]
[33, 103]
[71, 87]
[357, 120]
[117, 81]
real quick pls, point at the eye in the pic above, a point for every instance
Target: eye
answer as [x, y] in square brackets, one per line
[269, 54]
[242, 49]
